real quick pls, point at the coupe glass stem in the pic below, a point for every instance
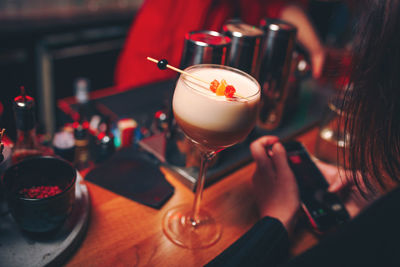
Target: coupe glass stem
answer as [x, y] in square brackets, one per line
[205, 159]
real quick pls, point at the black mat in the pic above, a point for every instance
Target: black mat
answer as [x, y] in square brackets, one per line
[132, 175]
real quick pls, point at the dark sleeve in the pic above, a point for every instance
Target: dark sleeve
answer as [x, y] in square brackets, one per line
[370, 239]
[265, 244]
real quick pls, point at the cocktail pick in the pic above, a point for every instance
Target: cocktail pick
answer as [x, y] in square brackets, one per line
[163, 64]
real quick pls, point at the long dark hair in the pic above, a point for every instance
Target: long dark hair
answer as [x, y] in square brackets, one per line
[373, 104]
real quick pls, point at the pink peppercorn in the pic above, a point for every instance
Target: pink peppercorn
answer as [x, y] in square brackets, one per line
[39, 192]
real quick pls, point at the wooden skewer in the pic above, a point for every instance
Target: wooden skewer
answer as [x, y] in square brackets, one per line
[188, 74]
[179, 70]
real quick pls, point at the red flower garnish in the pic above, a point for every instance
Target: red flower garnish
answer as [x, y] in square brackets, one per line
[214, 85]
[221, 88]
[229, 91]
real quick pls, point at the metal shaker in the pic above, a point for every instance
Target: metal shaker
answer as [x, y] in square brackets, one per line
[275, 68]
[246, 46]
[205, 47]
[201, 47]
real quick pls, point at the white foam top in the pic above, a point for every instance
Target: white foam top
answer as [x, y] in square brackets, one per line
[195, 103]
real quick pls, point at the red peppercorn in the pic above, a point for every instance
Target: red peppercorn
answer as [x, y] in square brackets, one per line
[39, 192]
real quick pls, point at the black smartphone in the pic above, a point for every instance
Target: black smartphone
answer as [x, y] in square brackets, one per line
[323, 209]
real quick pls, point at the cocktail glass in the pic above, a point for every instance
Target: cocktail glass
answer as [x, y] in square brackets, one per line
[212, 123]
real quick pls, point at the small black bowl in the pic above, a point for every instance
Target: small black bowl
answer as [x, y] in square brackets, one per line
[44, 214]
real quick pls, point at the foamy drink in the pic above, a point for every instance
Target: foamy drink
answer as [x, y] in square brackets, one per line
[216, 121]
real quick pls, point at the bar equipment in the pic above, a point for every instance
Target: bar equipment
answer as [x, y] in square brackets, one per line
[246, 41]
[201, 47]
[81, 155]
[105, 147]
[205, 47]
[27, 144]
[275, 68]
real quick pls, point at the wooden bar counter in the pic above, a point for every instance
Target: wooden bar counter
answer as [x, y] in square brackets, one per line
[122, 232]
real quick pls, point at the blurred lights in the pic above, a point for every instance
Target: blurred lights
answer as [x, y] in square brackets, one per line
[274, 27]
[327, 134]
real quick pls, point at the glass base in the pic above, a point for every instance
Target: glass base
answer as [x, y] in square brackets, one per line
[180, 228]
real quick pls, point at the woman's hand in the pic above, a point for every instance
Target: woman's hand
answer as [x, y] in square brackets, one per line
[341, 183]
[274, 183]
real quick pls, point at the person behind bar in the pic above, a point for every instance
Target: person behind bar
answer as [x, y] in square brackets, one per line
[372, 237]
[159, 28]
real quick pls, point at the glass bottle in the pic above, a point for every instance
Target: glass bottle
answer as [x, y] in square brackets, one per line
[82, 156]
[27, 144]
[332, 141]
[104, 142]
[85, 107]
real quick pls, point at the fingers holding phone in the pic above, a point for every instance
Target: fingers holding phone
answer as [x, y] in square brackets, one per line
[324, 209]
[341, 183]
[274, 184]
